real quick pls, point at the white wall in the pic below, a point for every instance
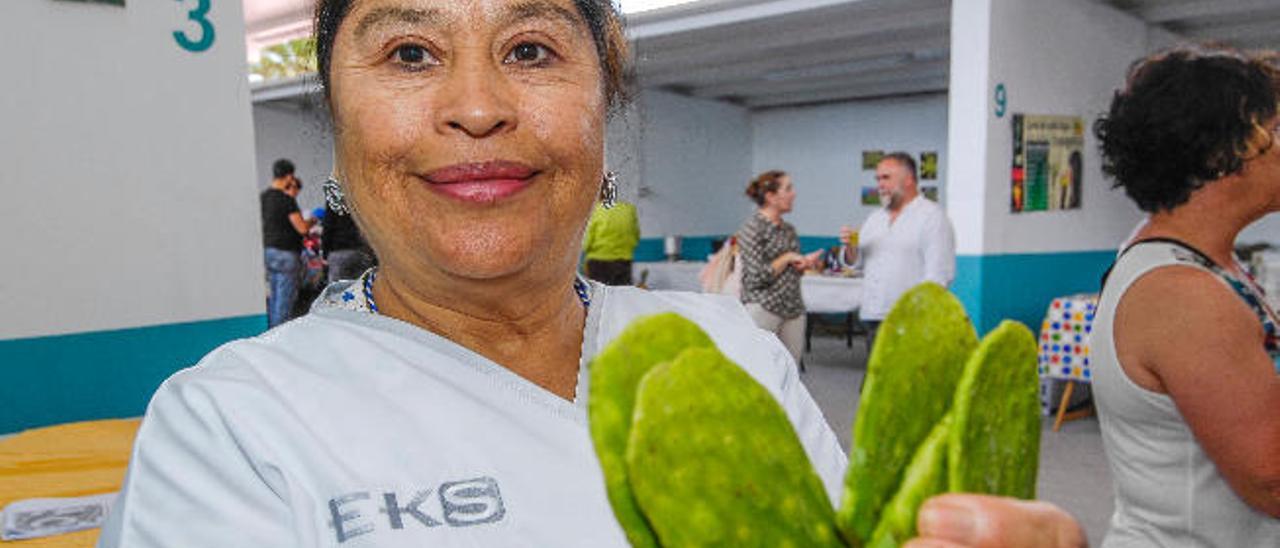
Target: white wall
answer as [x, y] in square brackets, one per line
[128, 169]
[1062, 58]
[968, 96]
[821, 147]
[1266, 229]
[695, 162]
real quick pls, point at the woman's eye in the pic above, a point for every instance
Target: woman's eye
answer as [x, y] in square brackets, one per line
[528, 52]
[412, 54]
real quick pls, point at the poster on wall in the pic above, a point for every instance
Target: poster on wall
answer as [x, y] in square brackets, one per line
[1048, 156]
[870, 196]
[871, 158]
[930, 192]
[929, 165]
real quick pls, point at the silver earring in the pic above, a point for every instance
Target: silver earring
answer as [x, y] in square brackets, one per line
[334, 198]
[609, 190]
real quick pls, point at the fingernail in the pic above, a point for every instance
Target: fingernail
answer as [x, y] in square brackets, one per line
[947, 521]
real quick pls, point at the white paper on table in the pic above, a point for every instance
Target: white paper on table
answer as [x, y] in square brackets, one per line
[34, 518]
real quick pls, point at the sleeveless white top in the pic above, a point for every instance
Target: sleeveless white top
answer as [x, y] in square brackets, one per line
[1168, 492]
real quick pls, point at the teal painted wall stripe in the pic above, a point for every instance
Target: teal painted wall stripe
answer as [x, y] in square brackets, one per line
[102, 374]
[967, 286]
[1020, 286]
[649, 250]
[1015, 286]
[814, 243]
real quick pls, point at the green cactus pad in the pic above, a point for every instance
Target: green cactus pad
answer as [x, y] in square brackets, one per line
[995, 442]
[615, 375]
[714, 461]
[925, 477]
[912, 375]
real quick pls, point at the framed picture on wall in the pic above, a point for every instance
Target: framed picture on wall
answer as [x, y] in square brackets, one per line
[929, 165]
[930, 192]
[871, 158]
[870, 196]
[1048, 158]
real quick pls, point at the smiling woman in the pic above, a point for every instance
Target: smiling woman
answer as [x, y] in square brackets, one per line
[438, 400]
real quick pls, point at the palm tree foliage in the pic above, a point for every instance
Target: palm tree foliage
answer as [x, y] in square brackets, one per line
[286, 60]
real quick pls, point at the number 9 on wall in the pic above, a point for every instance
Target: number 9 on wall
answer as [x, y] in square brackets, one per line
[203, 40]
[1002, 98]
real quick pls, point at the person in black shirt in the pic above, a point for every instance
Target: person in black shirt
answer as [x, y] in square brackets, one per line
[282, 230]
[345, 250]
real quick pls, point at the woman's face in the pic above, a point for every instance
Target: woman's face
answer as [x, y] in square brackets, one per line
[469, 133]
[784, 198]
[1272, 160]
[1264, 168]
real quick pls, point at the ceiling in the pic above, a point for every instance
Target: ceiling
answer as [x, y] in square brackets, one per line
[771, 53]
[1245, 24]
[765, 53]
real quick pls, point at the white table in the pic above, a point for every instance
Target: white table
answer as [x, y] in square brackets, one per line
[671, 276]
[831, 294]
[821, 294]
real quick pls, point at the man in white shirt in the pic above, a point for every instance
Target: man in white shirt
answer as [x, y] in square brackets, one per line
[906, 242]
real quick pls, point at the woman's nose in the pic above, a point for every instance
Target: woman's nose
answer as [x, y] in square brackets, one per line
[476, 99]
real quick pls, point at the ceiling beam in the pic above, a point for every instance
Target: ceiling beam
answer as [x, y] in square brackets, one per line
[684, 58]
[1258, 42]
[300, 14]
[907, 71]
[297, 87]
[901, 87]
[1168, 13]
[681, 21]
[1233, 33]
[835, 51]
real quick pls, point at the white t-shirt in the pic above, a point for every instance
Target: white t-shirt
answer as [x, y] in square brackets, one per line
[919, 246]
[345, 428]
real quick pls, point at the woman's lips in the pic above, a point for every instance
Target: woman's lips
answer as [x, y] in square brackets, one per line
[482, 182]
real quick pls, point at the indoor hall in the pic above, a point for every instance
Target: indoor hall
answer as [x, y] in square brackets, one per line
[144, 132]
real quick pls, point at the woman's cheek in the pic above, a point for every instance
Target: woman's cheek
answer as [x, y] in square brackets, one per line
[546, 115]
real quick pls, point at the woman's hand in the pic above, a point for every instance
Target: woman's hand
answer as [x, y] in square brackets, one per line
[813, 261]
[982, 521]
[784, 260]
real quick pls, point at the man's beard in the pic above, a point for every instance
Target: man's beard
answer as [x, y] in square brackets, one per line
[887, 200]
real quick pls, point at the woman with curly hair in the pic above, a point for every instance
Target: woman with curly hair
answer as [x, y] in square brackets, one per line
[1187, 365]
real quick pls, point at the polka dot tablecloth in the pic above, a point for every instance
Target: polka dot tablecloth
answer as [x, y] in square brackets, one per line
[1064, 344]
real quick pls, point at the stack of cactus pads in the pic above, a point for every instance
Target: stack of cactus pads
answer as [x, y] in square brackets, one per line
[696, 453]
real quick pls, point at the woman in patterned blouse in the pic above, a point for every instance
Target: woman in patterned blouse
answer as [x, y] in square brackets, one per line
[772, 263]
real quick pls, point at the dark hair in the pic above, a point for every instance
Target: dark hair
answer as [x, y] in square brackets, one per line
[905, 160]
[1185, 117]
[282, 168]
[764, 183]
[601, 17]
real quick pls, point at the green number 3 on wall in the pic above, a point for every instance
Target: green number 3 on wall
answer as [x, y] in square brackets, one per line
[206, 29]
